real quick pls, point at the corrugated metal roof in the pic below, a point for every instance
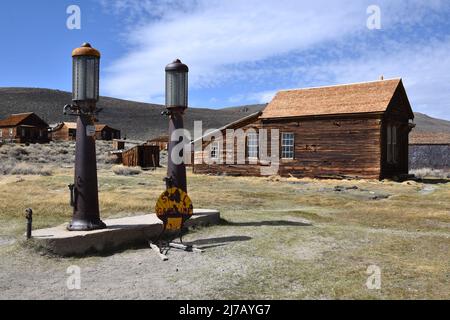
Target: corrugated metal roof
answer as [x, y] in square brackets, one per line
[365, 97]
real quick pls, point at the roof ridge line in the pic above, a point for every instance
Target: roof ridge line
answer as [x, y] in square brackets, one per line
[339, 85]
[22, 113]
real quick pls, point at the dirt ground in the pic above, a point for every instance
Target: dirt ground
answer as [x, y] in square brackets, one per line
[281, 238]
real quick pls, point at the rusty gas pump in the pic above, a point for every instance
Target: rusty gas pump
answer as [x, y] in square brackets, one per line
[85, 94]
[174, 207]
[176, 104]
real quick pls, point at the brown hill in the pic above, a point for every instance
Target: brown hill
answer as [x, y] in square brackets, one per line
[430, 130]
[136, 120]
[144, 121]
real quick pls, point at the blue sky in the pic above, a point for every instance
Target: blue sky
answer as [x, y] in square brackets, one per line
[239, 52]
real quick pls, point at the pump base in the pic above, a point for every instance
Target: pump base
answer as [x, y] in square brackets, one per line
[83, 225]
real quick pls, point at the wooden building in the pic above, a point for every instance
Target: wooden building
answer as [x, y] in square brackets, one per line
[24, 128]
[429, 150]
[67, 131]
[355, 130]
[119, 144]
[144, 156]
[105, 132]
[162, 142]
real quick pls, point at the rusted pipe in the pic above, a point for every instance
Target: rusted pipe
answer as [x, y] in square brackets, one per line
[29, 217]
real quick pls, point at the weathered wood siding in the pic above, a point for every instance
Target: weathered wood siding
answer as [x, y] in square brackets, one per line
[162, 145]
[334, 147]
[25, 135]
[141, 156]
[337, 146]
[62, 134]
[107, 134]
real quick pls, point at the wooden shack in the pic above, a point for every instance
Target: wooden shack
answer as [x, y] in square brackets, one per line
[24, 128]
[144, 156]
[355, 130]
[119, 144]
[105, 132]
[162, 142]
[67, 131]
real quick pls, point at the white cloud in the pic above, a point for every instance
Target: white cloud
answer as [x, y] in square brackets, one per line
[253, 97]
[248, 42]
[423, 68]
[225, 33]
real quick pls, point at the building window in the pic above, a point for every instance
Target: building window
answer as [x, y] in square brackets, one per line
[252, 145]
[392, 146]
[10, 132]
[287, 145]
[214, 154]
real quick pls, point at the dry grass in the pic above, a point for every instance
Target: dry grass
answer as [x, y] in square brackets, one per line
[430, 173]
[42, 159]
[405, 233]
[23, 168]
[58, 153]
[121, 170]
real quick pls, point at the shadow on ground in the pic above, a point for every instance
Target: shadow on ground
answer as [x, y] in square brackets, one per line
[273, 223]
[434, 181]
[218, 242]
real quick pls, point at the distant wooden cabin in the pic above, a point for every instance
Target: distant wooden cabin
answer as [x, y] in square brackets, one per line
[144, 156]
[24, 128]
[355, 130]
[119, 144]
[105, 132]
[429, 150]
[67, 131]
[162, 142]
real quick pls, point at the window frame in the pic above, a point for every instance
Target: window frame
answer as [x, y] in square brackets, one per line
[255, 148]
[388, 144]
[394, 135]
[392, 144]
[282, 153]
[215, 147]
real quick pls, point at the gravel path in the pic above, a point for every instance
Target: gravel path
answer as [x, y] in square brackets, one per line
[132, 274]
